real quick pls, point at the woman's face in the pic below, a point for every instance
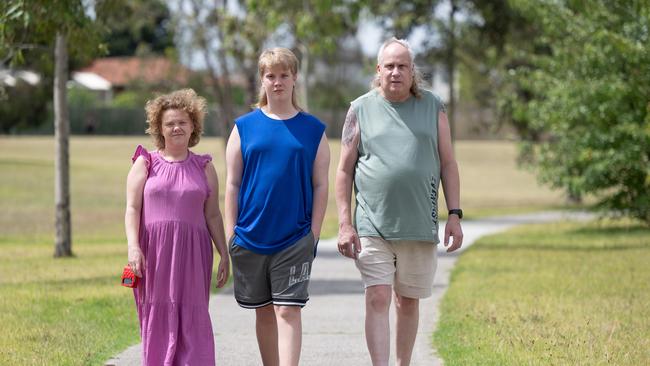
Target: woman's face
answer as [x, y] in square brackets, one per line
[278, 83]
[177, 128]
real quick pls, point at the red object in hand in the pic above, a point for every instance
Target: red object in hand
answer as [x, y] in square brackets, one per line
[129, 279]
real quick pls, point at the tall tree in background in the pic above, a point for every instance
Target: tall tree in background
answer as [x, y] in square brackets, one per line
[245, 34]
[230, 36]
[63, 241]
[494, 41]
[202, 21]
[589, 91]
[34, 24]
[450, 61]
[401, 19]
[136, 27]
[316, 26]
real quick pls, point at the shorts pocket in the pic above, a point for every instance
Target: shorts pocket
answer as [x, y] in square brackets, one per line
[231, 245]
[315, 241]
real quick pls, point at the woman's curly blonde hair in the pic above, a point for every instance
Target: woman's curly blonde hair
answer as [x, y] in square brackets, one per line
[184, 100]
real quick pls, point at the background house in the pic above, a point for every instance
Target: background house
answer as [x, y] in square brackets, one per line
[110, 76]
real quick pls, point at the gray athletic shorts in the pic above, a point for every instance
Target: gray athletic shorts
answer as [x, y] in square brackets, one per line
[281, 278]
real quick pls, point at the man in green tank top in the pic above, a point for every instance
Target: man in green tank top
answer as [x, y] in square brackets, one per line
[395, 150]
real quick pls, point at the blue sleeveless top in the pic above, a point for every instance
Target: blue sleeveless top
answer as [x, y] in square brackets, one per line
[275, 196]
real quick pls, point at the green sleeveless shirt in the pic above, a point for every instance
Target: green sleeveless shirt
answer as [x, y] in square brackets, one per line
[398, 171]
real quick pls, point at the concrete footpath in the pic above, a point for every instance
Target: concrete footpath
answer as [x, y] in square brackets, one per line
[333, 320]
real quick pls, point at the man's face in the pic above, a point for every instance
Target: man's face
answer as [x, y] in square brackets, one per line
[395, 72]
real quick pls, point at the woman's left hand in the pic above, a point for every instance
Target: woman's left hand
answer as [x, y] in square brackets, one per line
[223, 271]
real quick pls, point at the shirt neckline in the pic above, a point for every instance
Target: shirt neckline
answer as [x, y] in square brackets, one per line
[394, 104]
[278, 120]
[189, 154]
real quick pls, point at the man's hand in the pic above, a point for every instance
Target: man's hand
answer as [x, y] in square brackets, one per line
[348, 242]
[453, 229]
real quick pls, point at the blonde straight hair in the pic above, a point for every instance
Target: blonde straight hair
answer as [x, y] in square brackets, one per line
[270, 58]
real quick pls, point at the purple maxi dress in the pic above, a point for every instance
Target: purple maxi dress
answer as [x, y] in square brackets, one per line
[172, 298]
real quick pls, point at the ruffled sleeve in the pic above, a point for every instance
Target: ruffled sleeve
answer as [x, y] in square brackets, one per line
[204, 160]
[141, 151]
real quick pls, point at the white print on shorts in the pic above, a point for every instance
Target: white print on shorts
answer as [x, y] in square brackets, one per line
[304, 274]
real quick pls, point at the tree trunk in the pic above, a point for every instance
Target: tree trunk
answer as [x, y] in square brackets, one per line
[220, 86]
[222, 123]
[63, 244]
[574, 198]
[303, 80]
[226, 101]
[451, 68]
[252, 86]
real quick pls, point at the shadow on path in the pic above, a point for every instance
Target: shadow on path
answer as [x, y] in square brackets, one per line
[333, 319]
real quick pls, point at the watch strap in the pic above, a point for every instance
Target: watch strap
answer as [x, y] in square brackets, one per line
[456, 211]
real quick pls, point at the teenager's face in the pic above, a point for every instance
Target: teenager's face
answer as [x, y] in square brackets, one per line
[177, 128]
[395, 72]
[278, 83]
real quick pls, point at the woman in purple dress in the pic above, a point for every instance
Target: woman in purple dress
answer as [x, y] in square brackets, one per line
[172, 218]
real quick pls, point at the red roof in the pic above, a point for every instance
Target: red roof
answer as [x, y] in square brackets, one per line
[120, 71]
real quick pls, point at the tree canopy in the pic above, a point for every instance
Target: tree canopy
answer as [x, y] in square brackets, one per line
[587, 83]
[134, 27]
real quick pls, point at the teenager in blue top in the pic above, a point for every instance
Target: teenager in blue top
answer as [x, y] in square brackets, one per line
[276, 193]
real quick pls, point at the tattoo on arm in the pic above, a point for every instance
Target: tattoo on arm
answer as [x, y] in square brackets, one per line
[349, 127]
[443, 107]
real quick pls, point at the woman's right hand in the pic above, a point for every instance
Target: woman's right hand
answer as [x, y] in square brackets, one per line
[136, 260]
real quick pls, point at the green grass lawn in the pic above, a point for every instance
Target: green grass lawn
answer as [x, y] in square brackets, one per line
[66, 311]
[552, 294]
[72, 311]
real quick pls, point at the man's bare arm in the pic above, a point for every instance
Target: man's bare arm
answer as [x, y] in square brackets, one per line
[348, 241]
[350, 130]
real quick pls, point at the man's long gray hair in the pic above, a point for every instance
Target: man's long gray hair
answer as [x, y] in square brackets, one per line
[417, 76]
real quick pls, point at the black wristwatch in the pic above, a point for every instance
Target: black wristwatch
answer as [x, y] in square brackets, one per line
[456, 211]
